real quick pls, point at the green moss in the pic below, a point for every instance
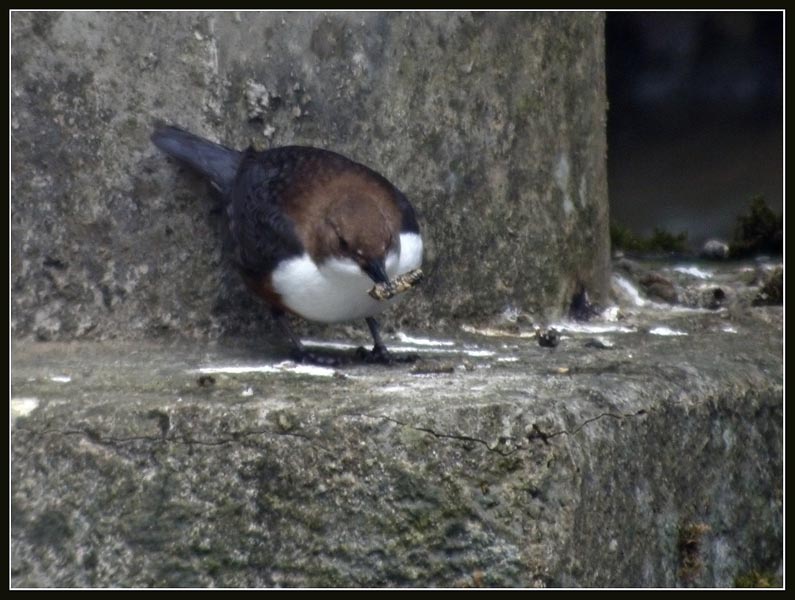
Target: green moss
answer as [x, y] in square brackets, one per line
[689, 545]
[622, 238]
[756, 579]
[760, 231]
[772, 291]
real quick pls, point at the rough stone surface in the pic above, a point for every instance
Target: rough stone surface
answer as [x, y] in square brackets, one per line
[493, 124]
[493, 462]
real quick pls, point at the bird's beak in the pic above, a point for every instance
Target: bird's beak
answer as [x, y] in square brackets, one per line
[376, 271]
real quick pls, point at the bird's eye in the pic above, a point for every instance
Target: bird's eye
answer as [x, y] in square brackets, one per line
[343, 244]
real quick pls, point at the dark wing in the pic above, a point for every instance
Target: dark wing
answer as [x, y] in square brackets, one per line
[261, 233]
[409, 223]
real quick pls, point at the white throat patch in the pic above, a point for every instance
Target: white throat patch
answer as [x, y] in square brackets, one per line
[336, 290]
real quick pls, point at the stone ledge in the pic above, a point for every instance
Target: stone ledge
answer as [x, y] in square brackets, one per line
[512, 465]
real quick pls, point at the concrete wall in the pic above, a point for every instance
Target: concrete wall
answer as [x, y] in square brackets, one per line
[492, 123]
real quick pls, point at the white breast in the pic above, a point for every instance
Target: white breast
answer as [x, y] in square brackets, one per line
[337, 290]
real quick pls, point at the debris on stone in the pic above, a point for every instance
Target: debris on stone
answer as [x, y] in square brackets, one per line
[715, 250]
[549, 338]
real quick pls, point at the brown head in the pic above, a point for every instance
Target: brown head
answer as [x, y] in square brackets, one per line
[344, 210]
[358, 229]
[362, 229]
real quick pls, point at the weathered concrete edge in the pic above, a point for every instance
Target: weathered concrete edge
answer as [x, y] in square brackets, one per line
[580, 450]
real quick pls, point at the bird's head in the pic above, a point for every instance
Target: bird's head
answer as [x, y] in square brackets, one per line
[364, 234]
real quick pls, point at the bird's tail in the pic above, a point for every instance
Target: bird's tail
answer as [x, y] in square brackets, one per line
[212, 160]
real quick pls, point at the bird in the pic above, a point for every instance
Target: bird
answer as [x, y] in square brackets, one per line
[311, 231]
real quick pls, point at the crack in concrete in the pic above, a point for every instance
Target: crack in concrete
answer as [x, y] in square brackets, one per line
[537, 433]
[620, 416]
[451, 436]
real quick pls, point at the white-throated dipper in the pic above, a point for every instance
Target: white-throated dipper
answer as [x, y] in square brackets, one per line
[311, 230]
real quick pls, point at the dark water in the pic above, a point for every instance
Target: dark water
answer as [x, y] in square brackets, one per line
[695, 126]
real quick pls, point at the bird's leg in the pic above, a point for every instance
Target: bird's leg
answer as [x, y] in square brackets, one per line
[300, 354]
[380, 353]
